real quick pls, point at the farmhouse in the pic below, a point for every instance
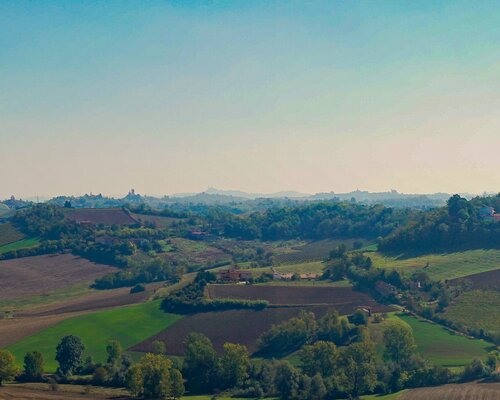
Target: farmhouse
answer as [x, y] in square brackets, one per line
[287, 276]
[488, 214]
[198, 235]
[234, 275]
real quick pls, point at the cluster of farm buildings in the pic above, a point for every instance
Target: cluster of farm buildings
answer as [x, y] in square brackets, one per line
[489, 214]
[237, 275]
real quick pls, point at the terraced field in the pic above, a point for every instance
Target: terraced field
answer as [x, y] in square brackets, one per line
[445, 266]
[130, 325]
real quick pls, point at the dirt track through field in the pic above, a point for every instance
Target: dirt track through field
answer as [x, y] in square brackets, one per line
[28, 276]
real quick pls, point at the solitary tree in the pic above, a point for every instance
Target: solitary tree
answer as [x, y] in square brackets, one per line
[115, 351]
[8, 369]
[69, 353]
[33, 365]
[159, 347]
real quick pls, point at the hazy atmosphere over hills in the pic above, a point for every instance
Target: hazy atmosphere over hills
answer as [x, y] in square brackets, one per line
[249, 200]
[171, 97]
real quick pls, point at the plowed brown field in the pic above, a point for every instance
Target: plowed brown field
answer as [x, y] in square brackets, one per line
[30, 276]
[483, 280]
[235, 326]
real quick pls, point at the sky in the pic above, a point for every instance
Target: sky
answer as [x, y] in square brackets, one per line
[261, 96]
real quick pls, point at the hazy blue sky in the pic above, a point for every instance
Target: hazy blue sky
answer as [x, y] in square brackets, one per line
[264, 96]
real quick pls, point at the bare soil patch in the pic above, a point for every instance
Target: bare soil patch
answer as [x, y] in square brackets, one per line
[466, 391]
[100, 216]
[30, 276]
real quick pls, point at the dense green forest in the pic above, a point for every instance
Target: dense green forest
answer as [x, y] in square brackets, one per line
[458, 225]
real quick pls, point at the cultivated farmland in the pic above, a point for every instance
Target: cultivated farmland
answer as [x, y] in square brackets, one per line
[19, 245]
[9, 234]
[342, 298]
[99, 216]
[34, 319]
[478, 309]
[466, 391]
[235, 326]
[157, 220]
[442, 266]
[483, 280]
[30, 276]
[130, 325]
[312, 251]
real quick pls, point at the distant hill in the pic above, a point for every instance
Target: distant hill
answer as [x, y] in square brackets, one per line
[4, 210]
[237, 193]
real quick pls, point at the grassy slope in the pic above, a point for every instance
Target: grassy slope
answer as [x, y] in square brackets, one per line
[443, 266]
[45, 298]
[129, 325]
[20, 244]
[433, 341]
[477, 309]
[443, 347]
[9, 234]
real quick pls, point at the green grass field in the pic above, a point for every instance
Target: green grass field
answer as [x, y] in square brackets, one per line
[442, 266]
[130, 325]
[20, 244]
[434, 342]
[443, 347]
[46, 298]
[479, 309]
